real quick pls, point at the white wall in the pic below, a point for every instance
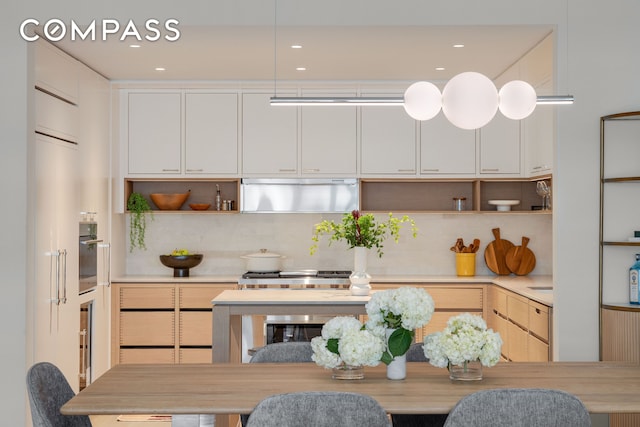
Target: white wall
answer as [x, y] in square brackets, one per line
[600, 70]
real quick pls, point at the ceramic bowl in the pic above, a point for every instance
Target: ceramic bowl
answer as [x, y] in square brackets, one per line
[181, 263]
[199, 206]
[170, 201]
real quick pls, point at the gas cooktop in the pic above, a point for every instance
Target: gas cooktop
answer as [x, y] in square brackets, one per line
[296, 279]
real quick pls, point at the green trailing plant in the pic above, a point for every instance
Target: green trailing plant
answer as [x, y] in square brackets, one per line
[138, 208]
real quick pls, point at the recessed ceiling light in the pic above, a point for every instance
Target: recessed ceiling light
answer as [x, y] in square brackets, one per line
[134, 45]
[160, 69]
[296, 46]
[301, 68]
[458, 45]
[439, 68]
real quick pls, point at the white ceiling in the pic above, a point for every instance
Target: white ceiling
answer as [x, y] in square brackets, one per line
[356, 53]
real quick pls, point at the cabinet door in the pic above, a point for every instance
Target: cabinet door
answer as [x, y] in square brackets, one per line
[539, 135]
[329, 140]
[269, 136]
[154, 133]
[56, 323]
[211, 133]
[56, 72]
[388, 141]
[446, 149]
[500, 147]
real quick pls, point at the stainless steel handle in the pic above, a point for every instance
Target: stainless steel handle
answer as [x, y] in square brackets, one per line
[90, 242]
[195, 170]
[106, 263]
[430, 170]
[286, 170]
[311, 170]
[64, 275]
[406, 170]
[56, 299]
[490, 170]
[170, 170]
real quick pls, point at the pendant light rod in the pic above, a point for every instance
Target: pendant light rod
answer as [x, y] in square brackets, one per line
[382, 101]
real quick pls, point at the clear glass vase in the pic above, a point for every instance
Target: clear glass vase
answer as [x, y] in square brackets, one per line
[468, 371]
[348, 372]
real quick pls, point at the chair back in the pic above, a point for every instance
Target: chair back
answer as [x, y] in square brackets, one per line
[416, 353]
[319, 409]
[283, 352]
[48, 390]
[519, 408]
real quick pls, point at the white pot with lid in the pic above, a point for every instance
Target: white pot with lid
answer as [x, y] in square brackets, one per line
[263, 261]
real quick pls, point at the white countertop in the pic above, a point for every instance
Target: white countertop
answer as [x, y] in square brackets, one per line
[519, 284]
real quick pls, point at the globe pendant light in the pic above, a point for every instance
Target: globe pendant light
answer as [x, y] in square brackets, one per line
[422, 100]
[470, 100]
[517, 99]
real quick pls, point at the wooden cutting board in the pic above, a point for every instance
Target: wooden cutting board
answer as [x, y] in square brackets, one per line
[520, 259]
[495, 253]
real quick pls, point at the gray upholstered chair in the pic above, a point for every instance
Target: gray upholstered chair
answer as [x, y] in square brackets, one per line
[282, 352]
[416, 354]
[519, 407]
[48, 390]
[319, 409]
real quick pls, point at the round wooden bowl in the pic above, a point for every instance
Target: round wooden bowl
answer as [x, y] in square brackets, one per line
[181, 263]
[199, 206]
[169, 202]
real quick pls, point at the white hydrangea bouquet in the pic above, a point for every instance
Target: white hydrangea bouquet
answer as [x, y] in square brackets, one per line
[464, 339]
[344, 341]
[402, 310]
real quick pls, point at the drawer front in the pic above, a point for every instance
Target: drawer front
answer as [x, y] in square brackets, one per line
[147, 355]
[464, 299]
[517, 342]
[147, 297]
[195, 327]
[538, 350]
[147, 328]
[539, 320]
[438, 322]
[518, 310]
[195, 355]
[499, 324]
[498, 300]
[200, 297]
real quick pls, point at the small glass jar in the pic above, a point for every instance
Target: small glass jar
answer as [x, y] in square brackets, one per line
[459, 203]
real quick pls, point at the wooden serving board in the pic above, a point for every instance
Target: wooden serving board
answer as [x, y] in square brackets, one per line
[495, 253]
[520, 259]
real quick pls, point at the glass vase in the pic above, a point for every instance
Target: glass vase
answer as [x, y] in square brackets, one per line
[348, 372]
[359, 277]
[468, 371]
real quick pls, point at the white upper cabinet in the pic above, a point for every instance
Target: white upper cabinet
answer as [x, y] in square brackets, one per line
[539, 128]
[328, 144]
[500, 150]
[56, 72]
[446, 149]
[388, 141]
[154, 133]
[269, 136]
[211, 133]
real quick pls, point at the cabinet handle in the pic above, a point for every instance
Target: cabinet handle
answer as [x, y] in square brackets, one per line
[406, 170]
[538, 311]
[430, 170]
[83, 356]
[170, 170]
[106, 264]
[286, 170]
[63, 266]
[536, 168]
[195, 170]
[311, 170]
[490, 170]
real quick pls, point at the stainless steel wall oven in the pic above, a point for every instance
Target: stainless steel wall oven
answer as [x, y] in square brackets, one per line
[88, 256]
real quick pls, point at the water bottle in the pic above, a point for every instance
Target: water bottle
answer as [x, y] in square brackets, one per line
[634, 275]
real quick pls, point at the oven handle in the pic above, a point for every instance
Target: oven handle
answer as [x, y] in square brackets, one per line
[90, 242]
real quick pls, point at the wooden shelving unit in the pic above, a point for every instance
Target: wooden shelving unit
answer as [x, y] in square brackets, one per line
[202, 191]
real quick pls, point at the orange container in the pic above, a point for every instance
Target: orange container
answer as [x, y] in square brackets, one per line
[466, 264]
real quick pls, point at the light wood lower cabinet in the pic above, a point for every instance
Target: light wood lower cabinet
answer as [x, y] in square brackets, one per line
[523, 324]
[163, 323]
[450, 300]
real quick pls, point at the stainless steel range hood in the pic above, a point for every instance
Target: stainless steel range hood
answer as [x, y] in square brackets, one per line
[299, 195]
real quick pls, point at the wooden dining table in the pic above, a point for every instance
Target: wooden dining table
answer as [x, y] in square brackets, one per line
[228, 388]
